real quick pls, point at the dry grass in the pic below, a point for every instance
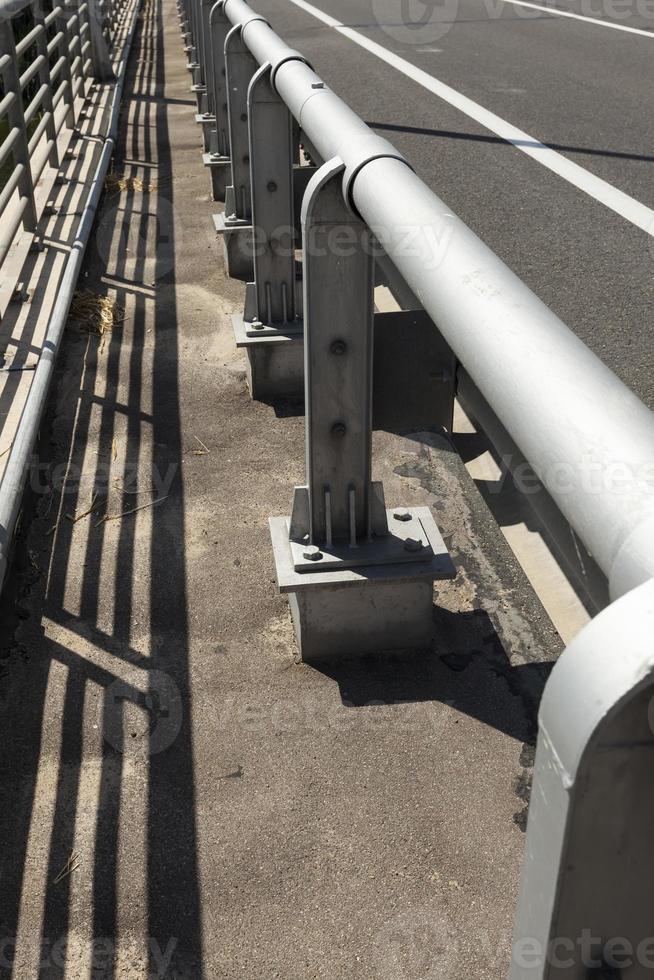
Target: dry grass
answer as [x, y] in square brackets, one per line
[95, 314]
[121, 182]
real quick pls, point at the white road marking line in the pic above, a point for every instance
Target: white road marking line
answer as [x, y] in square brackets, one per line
[616, 200]
[589, 20]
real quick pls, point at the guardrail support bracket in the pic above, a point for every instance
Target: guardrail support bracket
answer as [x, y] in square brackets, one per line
[359, 577]
[235, 224]
[219, 169]
[270, 328]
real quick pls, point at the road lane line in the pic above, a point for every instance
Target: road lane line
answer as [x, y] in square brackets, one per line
[597, 21]
[600, 190]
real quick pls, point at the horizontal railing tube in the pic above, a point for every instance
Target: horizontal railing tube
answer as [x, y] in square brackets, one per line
[587, 436]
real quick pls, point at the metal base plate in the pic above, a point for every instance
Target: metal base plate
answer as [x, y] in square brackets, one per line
[221, 224]
[209, 160]
[406, 540]
[437, 566]
[246, 337]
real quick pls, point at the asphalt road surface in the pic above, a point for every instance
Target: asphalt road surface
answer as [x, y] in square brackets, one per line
[581, 85]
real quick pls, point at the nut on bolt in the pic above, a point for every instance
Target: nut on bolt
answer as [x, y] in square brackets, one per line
[413, 544]
[338, 347]
[312, 553]
[339, 429]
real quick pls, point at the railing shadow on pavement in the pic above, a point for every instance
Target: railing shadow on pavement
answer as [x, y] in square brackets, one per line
[37, 922]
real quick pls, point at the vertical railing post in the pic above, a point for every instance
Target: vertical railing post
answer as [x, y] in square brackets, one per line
[219, 28]
[44, 79]
[100, 54]
[338, 292]
[62, 25]
[271, 180]
[16, 117]
[236, 223]
[193, 63]
[270, 329]
[359, 577]
[199, 87]
[217, 157]
[205, 116]
[187, 31]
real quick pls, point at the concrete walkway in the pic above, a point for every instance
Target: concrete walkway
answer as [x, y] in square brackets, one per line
[180, 798]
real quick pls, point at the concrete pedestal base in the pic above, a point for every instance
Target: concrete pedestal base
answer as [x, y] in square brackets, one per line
[200, 91]
[220, 170]
[366, 609]
[237, 246]
[275, 361]
[208, 122]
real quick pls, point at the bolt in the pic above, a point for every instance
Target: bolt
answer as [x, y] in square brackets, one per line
[271, 186]
[232, 216]
[244, 117]
[206, 115]
[312, 553]
[338, 429]
[257, 325]
[338, 347]
[215, 155]
[413, 544]
[317, 85]
[402, 514]
[246, 158]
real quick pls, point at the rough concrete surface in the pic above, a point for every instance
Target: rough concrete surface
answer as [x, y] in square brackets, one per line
[180, 797]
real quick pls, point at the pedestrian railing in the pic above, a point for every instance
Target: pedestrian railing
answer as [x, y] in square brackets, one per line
[360, 577]
[49, 60]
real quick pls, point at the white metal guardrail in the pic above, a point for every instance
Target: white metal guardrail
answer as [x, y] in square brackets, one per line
[48, 61]
[359, 577]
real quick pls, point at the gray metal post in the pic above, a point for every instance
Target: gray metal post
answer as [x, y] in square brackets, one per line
[587, 893]
[240, 68]
[205, 115]
[219, 28]
[218, 152]
[44, 79]
[101, 60]
[270, 330]
[338, 297]
[199, 87]
[236, 223]
[271, 181]
[359, 577]
[194, 47]
[186, 18]
[62, 22]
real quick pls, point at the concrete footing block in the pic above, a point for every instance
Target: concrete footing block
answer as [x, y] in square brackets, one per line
[237, 246]
[366, 609]
[200, 92]
[219, 168]
[275, 361]
[208, 122]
